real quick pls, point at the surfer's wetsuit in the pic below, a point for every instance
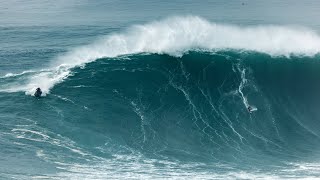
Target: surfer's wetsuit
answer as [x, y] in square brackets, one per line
[38, 92]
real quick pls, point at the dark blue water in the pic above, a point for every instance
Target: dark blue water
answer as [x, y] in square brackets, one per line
[159, 90]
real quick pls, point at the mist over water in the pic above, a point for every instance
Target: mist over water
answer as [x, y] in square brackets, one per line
[154, 90]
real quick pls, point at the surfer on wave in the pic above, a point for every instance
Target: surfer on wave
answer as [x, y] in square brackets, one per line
[251, 109]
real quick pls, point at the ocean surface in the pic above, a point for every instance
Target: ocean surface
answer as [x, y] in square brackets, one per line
[160, 89]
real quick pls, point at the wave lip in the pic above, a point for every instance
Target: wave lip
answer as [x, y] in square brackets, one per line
[177, 35]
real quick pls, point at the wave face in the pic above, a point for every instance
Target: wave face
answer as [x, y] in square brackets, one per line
[155, 116]
[164, 100]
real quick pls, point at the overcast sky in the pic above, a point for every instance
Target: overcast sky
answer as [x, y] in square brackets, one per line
[101, 12]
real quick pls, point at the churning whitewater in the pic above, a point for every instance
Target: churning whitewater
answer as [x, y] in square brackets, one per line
[178, 98]
[173, 36]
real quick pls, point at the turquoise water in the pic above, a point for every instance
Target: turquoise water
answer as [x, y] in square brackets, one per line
[159, 90]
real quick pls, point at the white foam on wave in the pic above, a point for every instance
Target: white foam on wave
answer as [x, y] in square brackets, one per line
[175, 36]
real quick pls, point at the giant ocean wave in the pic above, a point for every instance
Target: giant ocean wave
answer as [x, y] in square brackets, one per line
[175, 36]
[170, 99]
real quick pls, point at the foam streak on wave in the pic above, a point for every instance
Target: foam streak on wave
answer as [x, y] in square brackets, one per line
[177, 35]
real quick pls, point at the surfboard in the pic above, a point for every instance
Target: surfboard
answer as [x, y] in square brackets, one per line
[253, 109]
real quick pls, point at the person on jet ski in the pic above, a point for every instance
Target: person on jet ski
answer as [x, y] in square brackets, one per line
[38, 92]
